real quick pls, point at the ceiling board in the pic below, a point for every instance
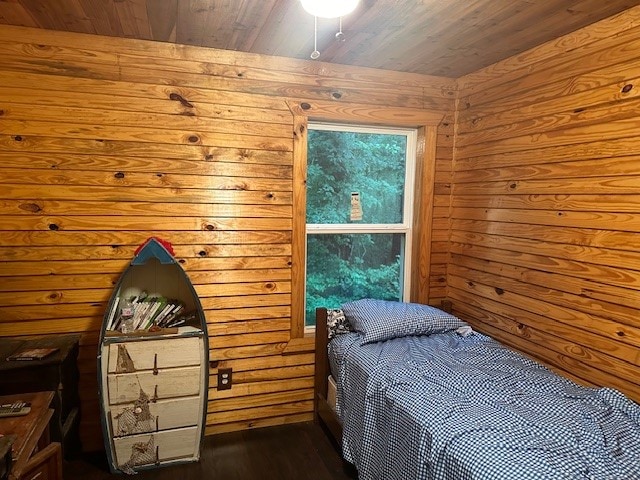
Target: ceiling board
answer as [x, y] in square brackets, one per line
[435, 37]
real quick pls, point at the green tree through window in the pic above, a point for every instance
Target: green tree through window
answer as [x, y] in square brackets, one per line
[350, 258]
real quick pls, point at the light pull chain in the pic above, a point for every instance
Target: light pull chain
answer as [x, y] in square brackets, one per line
[315, 54]
[340, 36]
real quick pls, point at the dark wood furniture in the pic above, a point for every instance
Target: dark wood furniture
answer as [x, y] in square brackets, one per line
[33, 454]
[323, 412]
[6, 442]
[57, 373]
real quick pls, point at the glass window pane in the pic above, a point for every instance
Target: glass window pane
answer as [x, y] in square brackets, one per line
[339, 163]
[344, 267]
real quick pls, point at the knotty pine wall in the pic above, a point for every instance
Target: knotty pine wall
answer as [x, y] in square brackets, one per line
[105, 142]
[545, 217]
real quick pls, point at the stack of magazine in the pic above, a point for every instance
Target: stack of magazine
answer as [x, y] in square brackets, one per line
[148, 311]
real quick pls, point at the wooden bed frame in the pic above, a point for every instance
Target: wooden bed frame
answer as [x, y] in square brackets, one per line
[323, 411]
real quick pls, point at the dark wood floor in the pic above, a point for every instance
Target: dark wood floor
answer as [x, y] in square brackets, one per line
[289, 452]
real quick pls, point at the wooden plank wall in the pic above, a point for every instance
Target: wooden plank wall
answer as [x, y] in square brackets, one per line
[545, 250]
[105, 142]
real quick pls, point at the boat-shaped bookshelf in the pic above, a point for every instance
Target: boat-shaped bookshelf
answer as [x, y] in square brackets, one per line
[153, 365]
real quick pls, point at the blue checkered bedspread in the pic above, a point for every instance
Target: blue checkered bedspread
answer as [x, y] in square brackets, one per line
[447, 407]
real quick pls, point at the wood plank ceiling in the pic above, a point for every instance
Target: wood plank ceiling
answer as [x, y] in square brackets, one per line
[446, 38]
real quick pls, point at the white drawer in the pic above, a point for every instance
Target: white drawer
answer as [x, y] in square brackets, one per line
[149, 354]
[169, 445]
[167, 383]
[172, 413]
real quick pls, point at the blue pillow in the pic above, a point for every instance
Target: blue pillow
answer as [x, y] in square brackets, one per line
[379, 320]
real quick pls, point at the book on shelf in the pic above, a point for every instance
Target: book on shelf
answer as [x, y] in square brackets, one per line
[32, 354]
[168, 304]
[140, 311]
[171, 314]
[146, 320]
[163, 313]
[147, 311]
[112, 314]
[183, 318]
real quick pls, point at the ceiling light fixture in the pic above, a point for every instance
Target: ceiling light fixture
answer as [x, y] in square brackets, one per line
[329, 8]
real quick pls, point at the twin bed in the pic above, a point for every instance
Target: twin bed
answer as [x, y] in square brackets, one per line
[420, 395]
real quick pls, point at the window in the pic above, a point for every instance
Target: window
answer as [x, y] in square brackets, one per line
[359, 214]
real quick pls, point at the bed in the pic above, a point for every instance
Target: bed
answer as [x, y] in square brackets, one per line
[420, 395]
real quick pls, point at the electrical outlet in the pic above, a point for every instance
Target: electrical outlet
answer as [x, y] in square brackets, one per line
[225, 378]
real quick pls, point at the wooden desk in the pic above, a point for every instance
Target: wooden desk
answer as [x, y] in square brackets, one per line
[34, 456]
[57, 372]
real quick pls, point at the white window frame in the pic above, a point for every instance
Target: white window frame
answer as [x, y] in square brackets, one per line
[406, 227]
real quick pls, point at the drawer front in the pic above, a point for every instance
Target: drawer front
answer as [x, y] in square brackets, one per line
[166, 414]
[169, 383]
[138, 450]
[149, 354]
[44, 465]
